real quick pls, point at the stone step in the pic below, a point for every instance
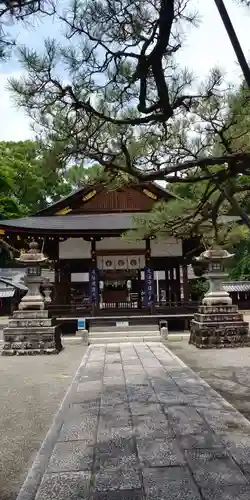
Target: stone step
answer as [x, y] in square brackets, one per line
[128, 328]
[31, 314]
[27, 330]
[218, 324]
[224, 309]
[29, 352]
[132, 333]
[225, 317]
[34, 339]
[112, 340]
[31, 322]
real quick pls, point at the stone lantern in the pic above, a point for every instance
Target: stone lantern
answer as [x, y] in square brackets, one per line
[30, 330]
[215, 258]
[33, 259]
[218, 323]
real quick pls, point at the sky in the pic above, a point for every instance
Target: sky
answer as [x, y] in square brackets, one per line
[205, 47]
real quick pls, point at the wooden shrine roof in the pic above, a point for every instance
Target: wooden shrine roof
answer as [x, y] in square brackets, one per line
[72, 223]
[98, 198]
[95, 209]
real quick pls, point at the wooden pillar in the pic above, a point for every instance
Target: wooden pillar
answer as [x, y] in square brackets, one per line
[178, 282]
[167, 285]
[139, 289]
[65, 285]
[172, 284]
[93, 279]
[56, 294]
[186, 292]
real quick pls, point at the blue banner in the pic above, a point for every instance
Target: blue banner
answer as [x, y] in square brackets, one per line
[94, 286]
[148, 287]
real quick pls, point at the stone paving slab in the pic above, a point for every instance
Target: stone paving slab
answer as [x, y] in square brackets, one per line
[138, 424]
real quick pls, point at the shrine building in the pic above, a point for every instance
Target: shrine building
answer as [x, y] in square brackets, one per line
[96, 272]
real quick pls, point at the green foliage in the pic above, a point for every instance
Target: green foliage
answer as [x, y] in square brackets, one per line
[30, 178]
[16, 11]
[239, 268]
[207, 195]
[111, 91]
[8, 206]
[187, 216]
[79, 175]
[33, 177]
[198, 288]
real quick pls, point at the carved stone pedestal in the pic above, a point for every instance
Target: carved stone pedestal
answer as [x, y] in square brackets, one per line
[31, 332]
[219, 326]
[218, 323]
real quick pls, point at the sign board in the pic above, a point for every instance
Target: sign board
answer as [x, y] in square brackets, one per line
[81, 324]
[148, 286]
[122, 324]
[94, 286]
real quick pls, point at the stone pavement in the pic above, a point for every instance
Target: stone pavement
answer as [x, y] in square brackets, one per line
[138, 424]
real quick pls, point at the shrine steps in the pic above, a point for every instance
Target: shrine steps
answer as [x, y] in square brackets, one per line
[124, 328]
[107, 335]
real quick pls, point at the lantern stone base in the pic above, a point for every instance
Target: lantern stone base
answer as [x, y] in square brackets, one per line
[30, 333]
[219, 326]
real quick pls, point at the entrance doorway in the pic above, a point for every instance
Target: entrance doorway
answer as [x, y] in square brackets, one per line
[120, 289]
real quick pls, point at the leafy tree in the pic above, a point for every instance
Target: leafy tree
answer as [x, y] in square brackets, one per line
[183, 218]
[30, 178]
[114, 84]
[205, 195]
[198, 288]
[79, 175]
[240, 265]
[8, 206]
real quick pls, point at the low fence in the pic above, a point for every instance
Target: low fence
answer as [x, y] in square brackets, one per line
[108, 308]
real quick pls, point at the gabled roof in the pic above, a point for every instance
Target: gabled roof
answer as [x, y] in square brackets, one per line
[92, 209]
[161, 193]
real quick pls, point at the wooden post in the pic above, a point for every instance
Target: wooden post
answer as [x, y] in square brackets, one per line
[65, 284]
[139, 290]
[178, 282]
[186, 293]
[56, 295]
[172, 285]
[167, 285]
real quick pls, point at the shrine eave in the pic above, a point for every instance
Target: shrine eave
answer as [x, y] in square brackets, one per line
[71, 224]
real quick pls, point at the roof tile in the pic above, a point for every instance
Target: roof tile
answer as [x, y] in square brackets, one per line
[83, 222]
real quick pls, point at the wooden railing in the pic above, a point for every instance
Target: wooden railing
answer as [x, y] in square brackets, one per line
[76, 310]
[175, 307]
[118, 305]
[87, 309]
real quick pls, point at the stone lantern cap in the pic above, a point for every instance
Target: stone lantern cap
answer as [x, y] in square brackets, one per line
[214, 254]
[32, 256]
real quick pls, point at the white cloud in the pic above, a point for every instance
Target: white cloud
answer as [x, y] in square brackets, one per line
[15, 125]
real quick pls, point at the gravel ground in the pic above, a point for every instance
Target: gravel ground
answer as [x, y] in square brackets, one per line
[31, 390]
[226, 370]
